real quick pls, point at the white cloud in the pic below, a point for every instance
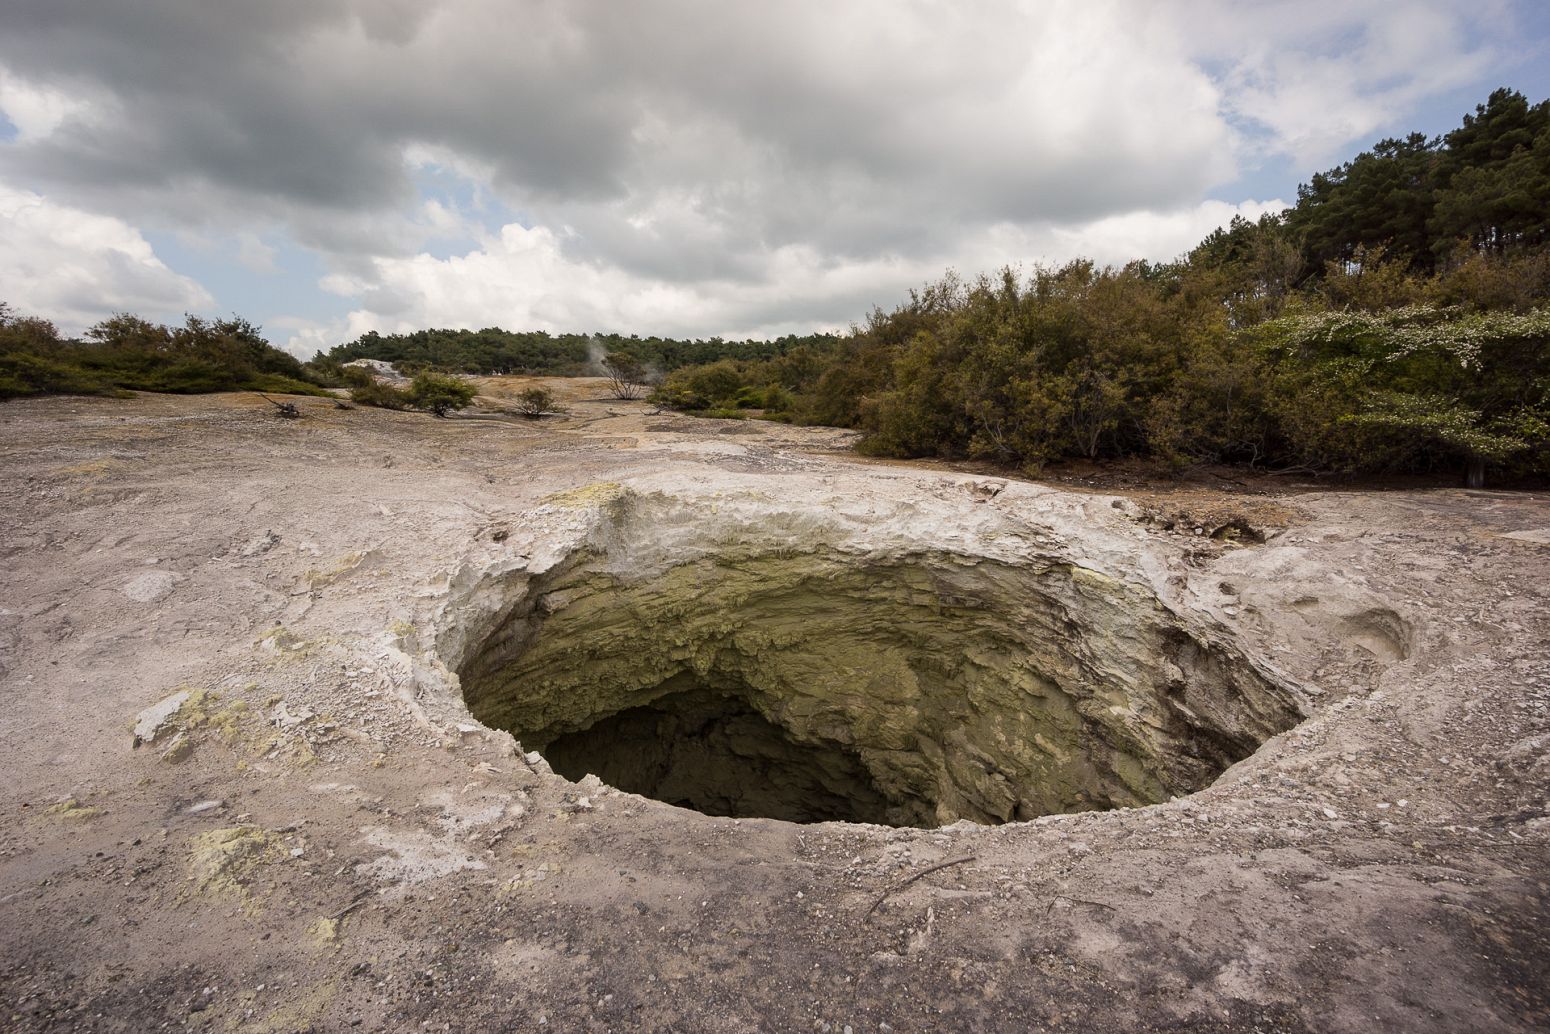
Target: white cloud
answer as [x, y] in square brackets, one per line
[524, 278]
[1158, 236]
[1313, 77]
[694, 166]
[75, 267]
[254, 254]
[36, 110]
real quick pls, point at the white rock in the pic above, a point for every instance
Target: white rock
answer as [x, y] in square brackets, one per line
[287, 719]
[156, 720]
[150, 587]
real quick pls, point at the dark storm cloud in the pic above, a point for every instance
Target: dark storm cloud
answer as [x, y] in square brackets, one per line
[756, 164]
[305, 105]
[302, 111]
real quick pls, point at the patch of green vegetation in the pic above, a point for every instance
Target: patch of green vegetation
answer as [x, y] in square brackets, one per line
[534, 403]
[129, 353]
[496, 351]
[1397, 319]
[433, 392]
[439, 393]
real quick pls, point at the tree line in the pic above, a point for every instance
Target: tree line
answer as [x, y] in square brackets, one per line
[129, 353]
[1393, 320]
[538, 353]
[1396, 318]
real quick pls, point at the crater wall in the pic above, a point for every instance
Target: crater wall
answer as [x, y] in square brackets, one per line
[933, 684]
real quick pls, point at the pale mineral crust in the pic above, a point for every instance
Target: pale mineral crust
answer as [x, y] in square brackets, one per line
[338, 842]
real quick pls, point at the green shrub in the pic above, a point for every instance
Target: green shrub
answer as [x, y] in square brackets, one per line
[23, 374]
[439, 393]
[627, 375]
[383, 396]
[126, 351]
[778, 400]
[536, 402]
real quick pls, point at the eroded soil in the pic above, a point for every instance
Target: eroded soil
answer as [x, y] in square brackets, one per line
[321, 843]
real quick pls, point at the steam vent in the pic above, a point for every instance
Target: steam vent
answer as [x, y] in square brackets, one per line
[716, 667]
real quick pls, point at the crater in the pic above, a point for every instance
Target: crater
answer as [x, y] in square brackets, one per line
[906, 688]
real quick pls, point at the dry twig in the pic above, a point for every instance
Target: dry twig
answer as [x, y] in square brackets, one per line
[353, 905]
[927, 871]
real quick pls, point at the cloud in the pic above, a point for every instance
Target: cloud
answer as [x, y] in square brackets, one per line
[598, 110]
[1310, 78]
[75, 267]
[254, 255]
[527, 278]
[35, 111]
[694, 163]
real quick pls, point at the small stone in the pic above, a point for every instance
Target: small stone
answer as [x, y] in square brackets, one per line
[1331, 813]
[204, 806]
[178, 748]
[285, 718]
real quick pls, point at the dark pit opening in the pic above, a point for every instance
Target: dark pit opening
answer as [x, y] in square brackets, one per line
[905, 691]
[715, 753]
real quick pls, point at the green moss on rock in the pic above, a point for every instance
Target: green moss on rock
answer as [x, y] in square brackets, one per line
[962, 687]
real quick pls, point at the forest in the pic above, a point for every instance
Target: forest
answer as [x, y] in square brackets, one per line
[125, 353]
[496, 351]
[1396, 318]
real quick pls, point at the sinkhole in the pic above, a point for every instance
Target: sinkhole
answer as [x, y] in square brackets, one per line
[902, 690]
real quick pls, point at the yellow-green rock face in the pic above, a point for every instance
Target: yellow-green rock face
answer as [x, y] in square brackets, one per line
[922, 689]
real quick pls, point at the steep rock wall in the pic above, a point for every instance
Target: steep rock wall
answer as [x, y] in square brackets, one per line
[966, 686]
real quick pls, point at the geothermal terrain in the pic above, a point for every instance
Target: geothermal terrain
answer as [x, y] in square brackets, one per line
[625, 721]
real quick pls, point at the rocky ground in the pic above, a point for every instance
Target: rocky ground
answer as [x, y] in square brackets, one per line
[311, 835]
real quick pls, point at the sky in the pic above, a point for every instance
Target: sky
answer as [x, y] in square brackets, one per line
[674, 167]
